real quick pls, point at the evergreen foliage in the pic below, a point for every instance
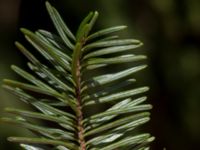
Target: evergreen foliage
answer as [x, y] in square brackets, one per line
[65, 89]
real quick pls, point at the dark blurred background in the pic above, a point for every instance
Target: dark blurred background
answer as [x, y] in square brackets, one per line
[170, 30]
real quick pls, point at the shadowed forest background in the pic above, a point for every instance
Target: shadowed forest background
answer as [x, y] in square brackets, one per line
[170, 31]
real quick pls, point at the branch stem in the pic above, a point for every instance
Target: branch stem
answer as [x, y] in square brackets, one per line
[81, 138]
